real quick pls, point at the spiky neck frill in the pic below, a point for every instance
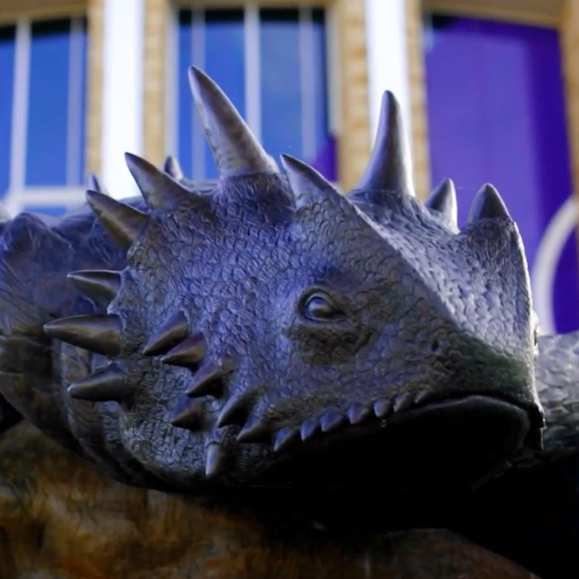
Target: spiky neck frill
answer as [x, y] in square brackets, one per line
[195, 352]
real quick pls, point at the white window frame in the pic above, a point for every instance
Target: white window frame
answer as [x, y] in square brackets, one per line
[252, 72]
[19, 195]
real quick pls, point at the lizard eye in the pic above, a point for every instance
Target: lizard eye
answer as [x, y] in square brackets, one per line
[320, 307]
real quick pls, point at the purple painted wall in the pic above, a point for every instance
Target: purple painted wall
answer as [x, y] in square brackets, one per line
[496, 113]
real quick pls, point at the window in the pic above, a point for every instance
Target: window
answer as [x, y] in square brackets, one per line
[496, 109]
[272, 63]
[42, 114]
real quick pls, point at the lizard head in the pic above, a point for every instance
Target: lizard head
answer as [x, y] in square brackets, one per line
[274, 332]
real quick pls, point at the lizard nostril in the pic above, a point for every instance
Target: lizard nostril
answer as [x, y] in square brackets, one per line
[435, 346]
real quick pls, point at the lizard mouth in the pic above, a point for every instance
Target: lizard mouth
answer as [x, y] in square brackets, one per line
[439, 445]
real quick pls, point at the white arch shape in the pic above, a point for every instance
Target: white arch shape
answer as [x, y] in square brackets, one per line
[547, 259]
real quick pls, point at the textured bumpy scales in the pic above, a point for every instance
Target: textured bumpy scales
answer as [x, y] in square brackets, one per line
[221, 325]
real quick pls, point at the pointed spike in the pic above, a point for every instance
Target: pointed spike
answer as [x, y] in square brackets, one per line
[534, 440]
[488, 204]
[235, 411]
[159, 189]
[390, 167]
[422, 397]
[443, 200]
[97, 333]
[382, 408]
[357, 413]
[235, 149]
[188, 353]
[254, 431]
[286, 438]
[103, 386]
[206, 381]
[188, 415]
[125, 224]
[403, 402]
[307, 184]
[94, 184]
[101, 286]
[169, 335]
[172, 167]
[309, 429]
[215, 460]
[332, 421]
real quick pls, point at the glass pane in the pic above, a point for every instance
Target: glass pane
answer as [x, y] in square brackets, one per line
[215, 40]
[496, 113]
[324, 158]
[281, 83]
[78, 106]
[48, 103]
[224, 57]
[185, 105]
[7, 50]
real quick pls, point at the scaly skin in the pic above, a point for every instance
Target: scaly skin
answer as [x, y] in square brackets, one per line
[258, 357]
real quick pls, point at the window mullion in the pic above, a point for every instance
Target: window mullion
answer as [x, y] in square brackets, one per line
[252, 69]
[198, 54]
[307, 81]
[74, 146]
[20, 105]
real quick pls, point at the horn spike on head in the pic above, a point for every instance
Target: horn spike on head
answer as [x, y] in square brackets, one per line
[286, 438]
[307, 184]
[235, 411]
[124, 223]
[159, 189]
[207, 381]
[235, 149]
[188, 353]
[488, 204]
[101, 286]
[190, 418]
[390, 167]
[173, 331]
[254, 430]
[443, 200]
[103, 386]
[100, 333]
[94, 183]
[215, 460]
[172, 167]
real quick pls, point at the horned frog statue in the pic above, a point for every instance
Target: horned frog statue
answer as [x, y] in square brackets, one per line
[267, 378]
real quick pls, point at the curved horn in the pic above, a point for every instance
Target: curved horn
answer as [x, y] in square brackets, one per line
[443, 200]
[234, 147]
[172, 167]
[306, 183]
[389, 167]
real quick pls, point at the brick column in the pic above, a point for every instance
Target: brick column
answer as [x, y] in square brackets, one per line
[354, 139]
[420, 148]
[155, 80]
[569, 38]
[95, 85]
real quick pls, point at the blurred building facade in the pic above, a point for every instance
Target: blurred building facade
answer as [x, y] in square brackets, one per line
[489, 92]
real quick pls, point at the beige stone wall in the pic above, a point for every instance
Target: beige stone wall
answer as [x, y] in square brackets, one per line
[95, 85]
[155, 46]
[11, 10]
[569, 37]
[354, 139]
[419, 135]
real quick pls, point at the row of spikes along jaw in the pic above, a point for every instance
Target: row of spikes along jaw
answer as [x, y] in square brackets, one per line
[237, 153]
